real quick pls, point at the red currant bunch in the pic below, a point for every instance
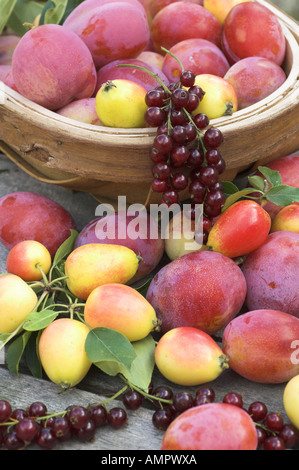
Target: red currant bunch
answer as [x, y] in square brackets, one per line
[185, 152]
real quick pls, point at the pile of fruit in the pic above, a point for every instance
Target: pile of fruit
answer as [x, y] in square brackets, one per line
[70, 300]
[73, 49]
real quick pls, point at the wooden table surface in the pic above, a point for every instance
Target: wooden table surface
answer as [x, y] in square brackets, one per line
[139, 433]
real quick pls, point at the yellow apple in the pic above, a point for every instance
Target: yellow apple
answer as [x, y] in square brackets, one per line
[17, 300]
[291, 400]
[221, 8]
[287, 219]
[62, 352]
[220, 98]
[121, 103]
[179, 237]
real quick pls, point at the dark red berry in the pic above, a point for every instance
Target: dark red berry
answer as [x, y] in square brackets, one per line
[5, 410]
[37, 409]
[274, 443]
[183, 400]
[258, 411]
[27, 429]
[274, 421]
[233, 399]
[132, 399]
[117, 417]
[162, 418]
[98, 414]
[46, 439]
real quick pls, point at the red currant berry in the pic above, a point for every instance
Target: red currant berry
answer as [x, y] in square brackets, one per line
[46, 439]
[86, 433]
[233, 399]
[290, 435]
[274, 443]
[12, 442]
[206, 391]
[169, 197]
[208, 176]
[274, 421]
[179, 134]
[37, 409]
[62, 428]
[197, 90]
[117, 417]
[213, 138]
[98, 414]
[154, 98]
[78, 416]
[258, 411]
[27, 429]
[201, 121]
[159, 186]
[155, 116]
[162, 418]
[187, 78]
[183, 400]
[161, 171]
[5, 410]
[180, 97]
[163, 392]
[132, 399]
[163, 143]
[179, 181]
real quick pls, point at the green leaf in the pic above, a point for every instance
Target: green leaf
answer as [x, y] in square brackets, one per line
[144, 287]
[15, 352]
[236, 196]
[65, 248]
[32, 357]
[39, 320]
[272, 176]
[25, 11]
[282, 195]
[6, 9]
[142, 366]
[229, 188]
[105, 344]
[257, 182]
[53, 12]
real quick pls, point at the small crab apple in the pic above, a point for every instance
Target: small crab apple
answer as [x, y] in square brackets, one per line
[62, 351]
[17, 300]
[188, 356]
[287, 219]
[28, 259]
[220, 98]
[221, 8]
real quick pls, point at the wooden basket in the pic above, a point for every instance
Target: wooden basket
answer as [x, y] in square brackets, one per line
[108, 162]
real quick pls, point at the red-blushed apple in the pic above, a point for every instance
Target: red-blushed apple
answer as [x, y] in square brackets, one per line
[92, 265]
[188, 356]
[202, 289]
[221, 8]
[252, 29]
[240, 229]
[287, 219]
[259, 345]
[132, 231]
[122, 309]
[29, 259]
[197, 55]
[83, 110]
[62, 352]
[272, 272]
[180, 237]
[31, 216]
[183, 20]
[17, 300]
[254, 78]
[213, 426]
[220, 98]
